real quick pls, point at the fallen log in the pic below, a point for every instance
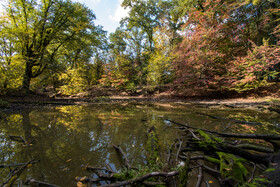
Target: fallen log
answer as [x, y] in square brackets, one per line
[143, 178]
[254, 148]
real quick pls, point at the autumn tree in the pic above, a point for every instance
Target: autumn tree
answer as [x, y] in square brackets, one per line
[10, 63]
[209, 43]
[46, 29]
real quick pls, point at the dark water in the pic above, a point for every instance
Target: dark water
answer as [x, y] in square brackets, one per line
[66, 138]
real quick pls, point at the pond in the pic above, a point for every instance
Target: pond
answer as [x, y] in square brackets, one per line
[66, 138]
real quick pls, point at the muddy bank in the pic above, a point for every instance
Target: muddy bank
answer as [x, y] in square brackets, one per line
[36, 99]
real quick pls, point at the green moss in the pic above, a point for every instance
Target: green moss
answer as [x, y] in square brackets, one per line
[231, 166]
[269, 170]
[153, 148]
[209, 140]
[183, 174]
[256, 182]
[122, 176]
[213, 160]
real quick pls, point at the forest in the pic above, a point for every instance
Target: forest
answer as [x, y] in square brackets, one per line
[189, 47]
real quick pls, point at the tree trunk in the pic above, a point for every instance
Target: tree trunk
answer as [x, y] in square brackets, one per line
[27, 78]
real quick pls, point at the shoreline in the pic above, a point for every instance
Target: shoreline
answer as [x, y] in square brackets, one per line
[229, 102]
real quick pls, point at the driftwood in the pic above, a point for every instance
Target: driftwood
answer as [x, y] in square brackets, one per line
[200, 144]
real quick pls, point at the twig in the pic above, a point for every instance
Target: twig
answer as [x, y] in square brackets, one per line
[153, 183]
[253, 172]
[206, 183]
[17, 139]
[169, 154]
[211, 170]
[89, 168]
[142, 178]
[13, 165]
[119, 149]
[193, 134]
[179, 150]
[200, 176]
[109, 168]
[33, 181]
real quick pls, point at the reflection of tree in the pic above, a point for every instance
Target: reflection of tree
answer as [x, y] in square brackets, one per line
[66, 138]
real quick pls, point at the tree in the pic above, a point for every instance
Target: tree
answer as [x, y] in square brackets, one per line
[255, 69]
[44, 30]
[10, 62]
[143, 15]
[160, 67]
[211, 40]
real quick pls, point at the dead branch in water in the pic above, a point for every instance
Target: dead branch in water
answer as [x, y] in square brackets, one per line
[119, 150]
[39, 183]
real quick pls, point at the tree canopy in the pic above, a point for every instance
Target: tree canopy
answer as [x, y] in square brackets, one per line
[193, 46]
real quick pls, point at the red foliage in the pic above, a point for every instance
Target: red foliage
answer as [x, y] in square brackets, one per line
[211, 41]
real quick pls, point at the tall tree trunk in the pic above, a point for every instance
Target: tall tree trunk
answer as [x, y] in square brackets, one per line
[27, 77]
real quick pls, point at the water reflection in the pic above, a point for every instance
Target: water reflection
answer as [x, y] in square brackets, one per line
[66, 138]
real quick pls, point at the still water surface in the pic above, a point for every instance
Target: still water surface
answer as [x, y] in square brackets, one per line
[66, 138]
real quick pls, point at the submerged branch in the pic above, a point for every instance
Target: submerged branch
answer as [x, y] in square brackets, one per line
[119, 150]
[15, 164]
[39, 183]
